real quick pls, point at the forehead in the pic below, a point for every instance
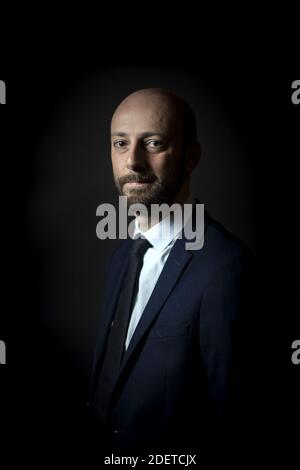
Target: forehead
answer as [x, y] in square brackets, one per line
[147, 114]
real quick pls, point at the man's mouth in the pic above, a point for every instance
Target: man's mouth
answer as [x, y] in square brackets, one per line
[138, 183]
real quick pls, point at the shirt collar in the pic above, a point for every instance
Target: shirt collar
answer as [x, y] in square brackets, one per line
[158, 235]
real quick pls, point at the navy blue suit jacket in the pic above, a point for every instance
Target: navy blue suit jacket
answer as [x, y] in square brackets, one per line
[182, 381]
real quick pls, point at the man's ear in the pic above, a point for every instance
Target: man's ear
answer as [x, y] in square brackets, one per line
[192, 157]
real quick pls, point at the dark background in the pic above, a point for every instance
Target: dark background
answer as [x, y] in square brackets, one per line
[56, 171]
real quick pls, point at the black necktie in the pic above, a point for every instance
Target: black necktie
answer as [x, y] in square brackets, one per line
[117, 335]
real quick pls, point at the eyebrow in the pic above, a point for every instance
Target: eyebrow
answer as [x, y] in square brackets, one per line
[143, 135]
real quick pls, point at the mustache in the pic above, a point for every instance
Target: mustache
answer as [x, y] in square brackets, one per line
[137, 178]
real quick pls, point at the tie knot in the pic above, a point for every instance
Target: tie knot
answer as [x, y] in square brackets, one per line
[140, 246]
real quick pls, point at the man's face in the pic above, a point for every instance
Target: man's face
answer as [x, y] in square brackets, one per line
[147, 150]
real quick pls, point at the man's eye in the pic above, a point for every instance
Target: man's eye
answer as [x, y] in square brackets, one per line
[154, 143]
[119, 143]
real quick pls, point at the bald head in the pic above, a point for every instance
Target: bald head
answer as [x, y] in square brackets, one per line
[164, 108]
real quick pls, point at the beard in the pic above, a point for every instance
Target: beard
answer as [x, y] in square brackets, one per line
[159, 190]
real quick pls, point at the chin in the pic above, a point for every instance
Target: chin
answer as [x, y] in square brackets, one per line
[137, 197]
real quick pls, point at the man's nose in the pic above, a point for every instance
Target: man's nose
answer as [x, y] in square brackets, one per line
[136, 157]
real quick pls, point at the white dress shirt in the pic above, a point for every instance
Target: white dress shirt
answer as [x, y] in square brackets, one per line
[162, 241]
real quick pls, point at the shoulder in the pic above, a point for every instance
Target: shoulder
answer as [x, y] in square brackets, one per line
[222, 252]
[120, 253]
[221, 242]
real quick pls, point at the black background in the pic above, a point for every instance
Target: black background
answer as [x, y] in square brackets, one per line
[50, 282]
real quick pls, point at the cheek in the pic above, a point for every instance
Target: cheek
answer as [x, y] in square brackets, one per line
[117, 165]
[165, 164]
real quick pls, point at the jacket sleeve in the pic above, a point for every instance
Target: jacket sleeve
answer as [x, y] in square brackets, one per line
[230, 348]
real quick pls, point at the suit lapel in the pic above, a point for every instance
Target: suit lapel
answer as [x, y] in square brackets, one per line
[108, 309]
[175, 264]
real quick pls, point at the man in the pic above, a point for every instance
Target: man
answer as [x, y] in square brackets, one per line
[171, 374]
